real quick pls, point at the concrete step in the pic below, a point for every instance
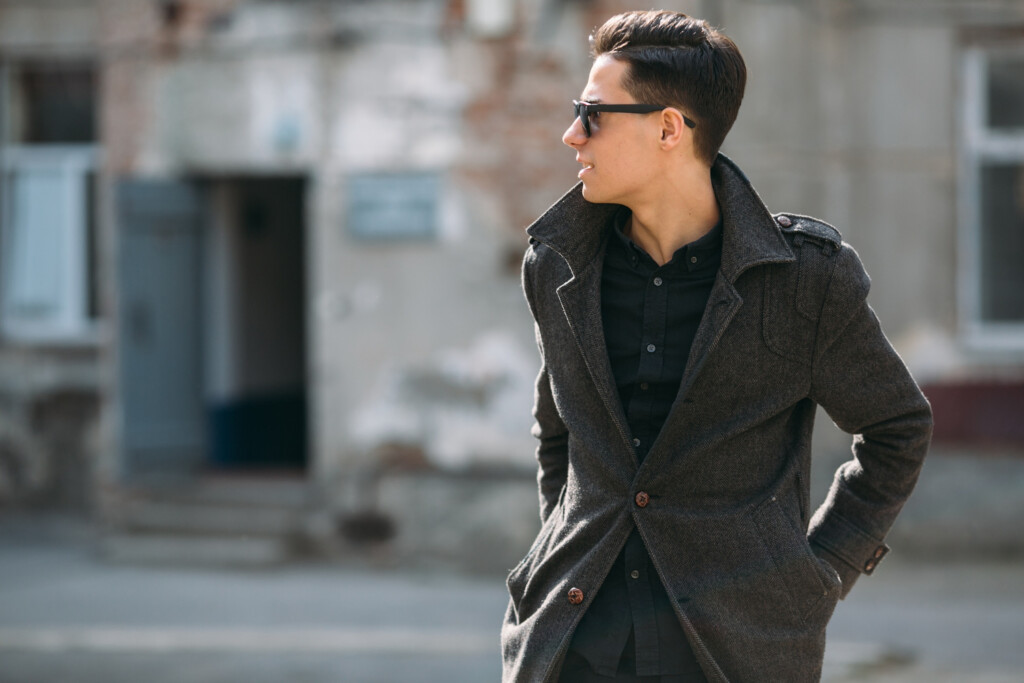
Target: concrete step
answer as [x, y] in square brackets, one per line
[277, 492]
[204, 551]
[206, 519]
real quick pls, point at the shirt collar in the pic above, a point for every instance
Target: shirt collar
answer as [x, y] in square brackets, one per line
[697, 255]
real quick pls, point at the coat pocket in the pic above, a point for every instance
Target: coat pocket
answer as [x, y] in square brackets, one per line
[519, 578]
[808, 584]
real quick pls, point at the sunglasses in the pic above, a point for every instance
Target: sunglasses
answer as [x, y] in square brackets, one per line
[584, 110]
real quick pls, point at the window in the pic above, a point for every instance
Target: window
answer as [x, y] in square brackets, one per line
[47, 206]
[991, 286]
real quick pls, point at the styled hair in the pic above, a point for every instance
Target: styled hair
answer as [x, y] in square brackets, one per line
[678, 61]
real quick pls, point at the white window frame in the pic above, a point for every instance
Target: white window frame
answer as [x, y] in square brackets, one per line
[980, 144]
[70, 322]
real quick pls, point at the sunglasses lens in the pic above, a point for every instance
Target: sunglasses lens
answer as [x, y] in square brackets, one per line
[581, 113]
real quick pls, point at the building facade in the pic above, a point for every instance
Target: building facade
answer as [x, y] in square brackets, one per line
[262, 255]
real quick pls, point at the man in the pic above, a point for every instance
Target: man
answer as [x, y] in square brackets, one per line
[686, 337]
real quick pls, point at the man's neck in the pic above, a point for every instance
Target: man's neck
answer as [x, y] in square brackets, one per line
[682, 211]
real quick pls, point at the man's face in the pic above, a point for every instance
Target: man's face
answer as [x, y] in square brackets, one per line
[618, 158]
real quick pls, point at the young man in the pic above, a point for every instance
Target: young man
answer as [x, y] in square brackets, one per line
[687, 336]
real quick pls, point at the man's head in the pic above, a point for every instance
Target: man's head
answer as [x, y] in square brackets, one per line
[678, 61]
[693, 74]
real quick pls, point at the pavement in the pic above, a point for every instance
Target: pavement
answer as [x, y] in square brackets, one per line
[66, 616]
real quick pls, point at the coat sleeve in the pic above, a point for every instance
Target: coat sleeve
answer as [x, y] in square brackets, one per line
[553, 437]
[862, 383]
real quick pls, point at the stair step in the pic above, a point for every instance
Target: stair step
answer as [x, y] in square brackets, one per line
[205, 551]
[206, 519]
[225, 490]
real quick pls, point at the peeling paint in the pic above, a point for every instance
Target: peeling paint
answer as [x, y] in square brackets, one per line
[466, 407]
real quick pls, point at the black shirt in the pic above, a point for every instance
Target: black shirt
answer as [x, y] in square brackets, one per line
[650, 315]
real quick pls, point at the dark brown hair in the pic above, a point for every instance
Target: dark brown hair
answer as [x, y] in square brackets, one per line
[679, 61]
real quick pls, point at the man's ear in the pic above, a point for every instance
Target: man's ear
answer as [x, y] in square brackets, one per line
[673, 128]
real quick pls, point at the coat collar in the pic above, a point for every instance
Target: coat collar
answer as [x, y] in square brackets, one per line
[576, 228]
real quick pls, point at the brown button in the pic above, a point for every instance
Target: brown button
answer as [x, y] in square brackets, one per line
[869, 567]
[880, 552]
[784, 221]
[575, 596]
[642, 499]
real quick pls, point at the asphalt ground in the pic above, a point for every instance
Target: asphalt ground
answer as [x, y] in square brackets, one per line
[68, 617]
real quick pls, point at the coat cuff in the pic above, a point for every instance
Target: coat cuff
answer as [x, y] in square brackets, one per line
[849, 550]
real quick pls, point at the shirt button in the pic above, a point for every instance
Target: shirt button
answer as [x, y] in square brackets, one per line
[634, 574]
[575, 596]
[642, 499]
[636, 442]
[651, 348]
[644, 386]
[658, 281]
[693, 259]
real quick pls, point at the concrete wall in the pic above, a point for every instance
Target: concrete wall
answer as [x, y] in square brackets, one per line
[852, 120]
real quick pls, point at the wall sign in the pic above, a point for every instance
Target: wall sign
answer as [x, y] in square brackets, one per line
[393, 206]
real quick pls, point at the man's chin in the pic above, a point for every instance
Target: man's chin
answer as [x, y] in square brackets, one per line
[592, 195]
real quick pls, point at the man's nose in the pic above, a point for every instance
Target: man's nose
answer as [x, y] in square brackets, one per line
[574, 135]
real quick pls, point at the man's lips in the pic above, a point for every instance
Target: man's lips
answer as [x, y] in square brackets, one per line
[587, 166]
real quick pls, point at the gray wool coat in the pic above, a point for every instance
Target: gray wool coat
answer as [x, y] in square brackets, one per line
[721, 500]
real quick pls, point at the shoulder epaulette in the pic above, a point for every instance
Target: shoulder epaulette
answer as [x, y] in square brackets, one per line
[806, 227]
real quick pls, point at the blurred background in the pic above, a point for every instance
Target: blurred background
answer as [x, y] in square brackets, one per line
[266, 369]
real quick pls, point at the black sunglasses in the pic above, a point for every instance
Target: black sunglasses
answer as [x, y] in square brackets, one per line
[583, 110]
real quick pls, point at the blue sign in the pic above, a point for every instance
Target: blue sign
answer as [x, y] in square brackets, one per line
[393, 206]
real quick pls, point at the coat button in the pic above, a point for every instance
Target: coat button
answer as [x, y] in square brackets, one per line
[642, 499]
[784, 221]
[575, 596]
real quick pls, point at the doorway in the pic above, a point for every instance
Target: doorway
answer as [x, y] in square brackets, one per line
[255, 324]
[212, 325]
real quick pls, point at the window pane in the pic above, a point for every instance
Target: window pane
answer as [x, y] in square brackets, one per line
[59, 103]
[35, 242]
[1006, 93]
[1002, 243]
[92, 305]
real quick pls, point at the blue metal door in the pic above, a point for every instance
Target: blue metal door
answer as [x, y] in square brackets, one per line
[159, 327]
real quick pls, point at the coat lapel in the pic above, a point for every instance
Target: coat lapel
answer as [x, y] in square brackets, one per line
[581, 302]
[578, 231]
[750, 237]
[723, 304]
